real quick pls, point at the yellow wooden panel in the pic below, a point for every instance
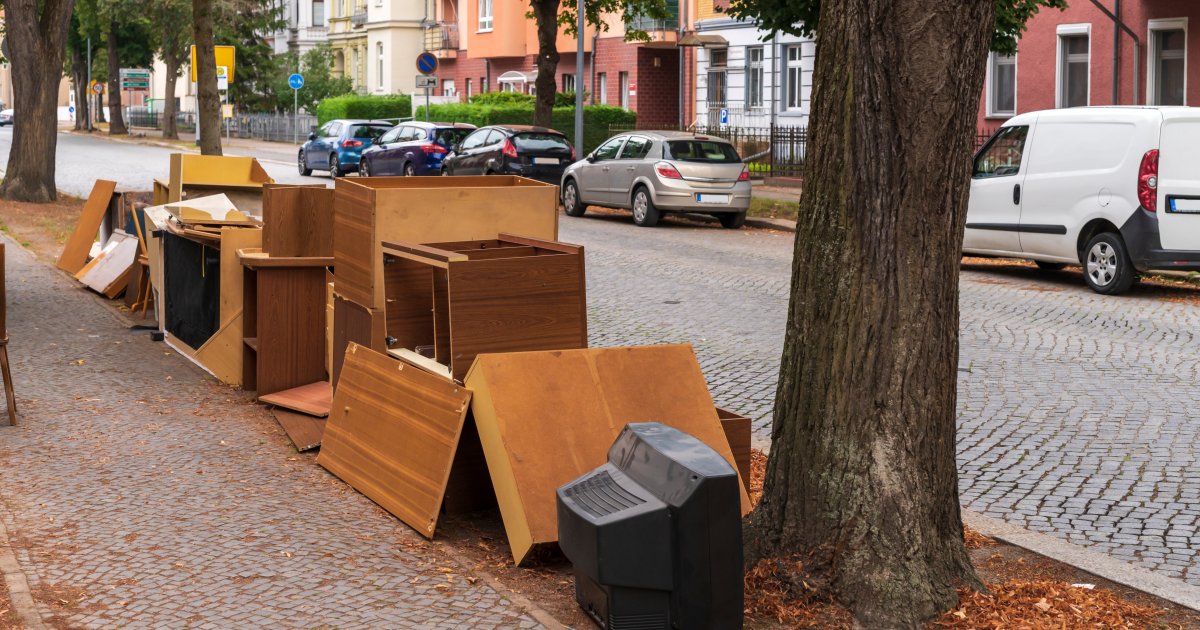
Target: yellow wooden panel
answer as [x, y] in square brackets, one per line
[233, 239]
[222, 353]
[75, 253]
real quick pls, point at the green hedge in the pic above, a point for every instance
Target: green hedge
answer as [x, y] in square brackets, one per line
[360, 106]
[596, 118]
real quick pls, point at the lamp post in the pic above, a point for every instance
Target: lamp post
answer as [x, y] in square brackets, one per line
[579, 46]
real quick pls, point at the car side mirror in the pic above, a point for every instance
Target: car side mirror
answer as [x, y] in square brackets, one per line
[591, 157]
[312, 135]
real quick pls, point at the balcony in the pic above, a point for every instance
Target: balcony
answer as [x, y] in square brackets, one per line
[652, 25]
[359, 18]
[441, 39]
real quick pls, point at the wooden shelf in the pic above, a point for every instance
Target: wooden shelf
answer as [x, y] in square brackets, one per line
[251, 342]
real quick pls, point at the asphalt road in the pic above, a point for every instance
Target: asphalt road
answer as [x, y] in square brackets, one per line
[1075, 409]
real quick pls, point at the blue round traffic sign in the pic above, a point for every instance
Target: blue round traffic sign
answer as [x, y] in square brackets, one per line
[295, 81]
[427, 63]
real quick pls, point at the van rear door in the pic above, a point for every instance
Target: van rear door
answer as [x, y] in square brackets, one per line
[1179, 180]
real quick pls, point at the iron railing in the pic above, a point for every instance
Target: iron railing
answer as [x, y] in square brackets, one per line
[359, 19]
[441, 36]
[270, 127]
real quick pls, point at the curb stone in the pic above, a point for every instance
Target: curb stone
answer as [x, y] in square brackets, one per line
[18, 585]
[761, 223]
[1099, 564]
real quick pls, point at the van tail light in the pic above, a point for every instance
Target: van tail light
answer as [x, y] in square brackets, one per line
[667, 171]
[434, 148]
[745, 176]
[1147, 187]
[509, 149]
[350, 144]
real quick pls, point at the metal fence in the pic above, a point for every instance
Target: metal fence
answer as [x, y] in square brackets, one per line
[271, 127]
[140, 117]
[774, 151]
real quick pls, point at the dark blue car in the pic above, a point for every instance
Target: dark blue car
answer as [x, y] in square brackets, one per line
[412, 148]
[338, 144]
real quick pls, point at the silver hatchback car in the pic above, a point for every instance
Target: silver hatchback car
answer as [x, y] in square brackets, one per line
[654, 172]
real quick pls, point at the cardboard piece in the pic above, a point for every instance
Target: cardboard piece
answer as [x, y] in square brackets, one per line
[393, 434]
[546, 418]
[211, 210]
[75, 252]
[738, 430]
[313, 399]
[303, 430]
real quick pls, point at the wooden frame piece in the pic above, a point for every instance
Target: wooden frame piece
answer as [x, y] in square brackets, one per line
[75, 252]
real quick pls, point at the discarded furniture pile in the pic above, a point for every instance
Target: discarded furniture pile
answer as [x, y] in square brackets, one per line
[429, 335]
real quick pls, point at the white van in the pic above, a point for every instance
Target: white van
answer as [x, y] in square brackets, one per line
[1115, 189]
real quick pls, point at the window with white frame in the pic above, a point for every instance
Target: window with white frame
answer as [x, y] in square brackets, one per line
[718, 60]
[1074, 61]
[379, 64]
[794, 99]
[318, 12]
[1002, 85]
[468, 86]
[602, 88]
[1167, 78]
[568, 82]
[624, 86]
[485, 15]
[448, 88]
[754, 76]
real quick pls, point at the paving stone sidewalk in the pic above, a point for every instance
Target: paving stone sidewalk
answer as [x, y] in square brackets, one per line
[159, 498]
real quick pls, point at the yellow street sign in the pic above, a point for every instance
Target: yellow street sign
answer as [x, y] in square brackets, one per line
[226, 110]
[225, 57]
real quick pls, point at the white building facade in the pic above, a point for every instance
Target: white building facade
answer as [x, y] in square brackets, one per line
[759, 83]
[307, 26]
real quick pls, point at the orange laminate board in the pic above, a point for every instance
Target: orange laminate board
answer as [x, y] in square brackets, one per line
[313, 399]
[75, 252]
[545, 418]
[393, 433]
[303, 430]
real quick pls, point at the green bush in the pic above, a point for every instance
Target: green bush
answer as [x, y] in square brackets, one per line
[502, 98]
[364, 106]
[596, 118]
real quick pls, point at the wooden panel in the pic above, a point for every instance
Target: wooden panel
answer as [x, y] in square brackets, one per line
[354, 243]
[110, 273]
[233, 239]
[304, 431]
[75, 252]
[222, 353]
[313, 399]
[738, 431]
[545, 418]
[353, 323]
[441, 318]
[513, 305]
[290, 327]
[409, 302]
[469, 488]
[393, 435]
[298, 220]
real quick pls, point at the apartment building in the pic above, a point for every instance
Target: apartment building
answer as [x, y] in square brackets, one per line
[305, 26]
[376, 42]
[1114, 52]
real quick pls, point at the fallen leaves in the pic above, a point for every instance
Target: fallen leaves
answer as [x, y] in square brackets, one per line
[1045, 605]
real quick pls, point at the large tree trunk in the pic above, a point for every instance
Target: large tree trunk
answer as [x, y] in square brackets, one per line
[79, 84]
[546, 13]
[116, 121]
[862, 480]
[36, 32]
[207, 97]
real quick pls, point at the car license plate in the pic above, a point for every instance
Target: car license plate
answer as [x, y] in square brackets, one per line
[703, 198]
[538, 160]
[1184, 205]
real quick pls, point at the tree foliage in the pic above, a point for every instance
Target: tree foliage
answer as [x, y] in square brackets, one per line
[802, 17]
[319, 83]
[245, 24]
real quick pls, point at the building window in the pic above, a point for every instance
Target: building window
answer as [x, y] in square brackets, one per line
[602, 88]
[1073, 70]
[448, 88]
[318, 12]
[795, 79]
[1167, 79]
[718, 58]
[485, 15]
[379, 63]
[624, 86]
[568, 82]
[483, 85]
[1002, 85]
[468, 89]
[754, 76]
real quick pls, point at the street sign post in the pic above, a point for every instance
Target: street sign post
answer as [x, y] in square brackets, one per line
[135, 79]
[427, 64]
[426, 83]
[223, 78]
[296, 81]
[724, 117]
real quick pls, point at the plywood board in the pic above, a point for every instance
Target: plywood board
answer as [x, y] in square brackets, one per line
[75, 252]
[303, 430]
[106, 275]
[737, 432]
[393, 434]
[313, 399]
[297, 220]
[353, 323]
[233, 239]
[546, 418]
[222, 353]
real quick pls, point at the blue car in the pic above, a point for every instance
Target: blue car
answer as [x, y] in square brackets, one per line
[412, 148]
[337, 146]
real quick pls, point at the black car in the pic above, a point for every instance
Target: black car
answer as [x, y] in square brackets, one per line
[534, 152]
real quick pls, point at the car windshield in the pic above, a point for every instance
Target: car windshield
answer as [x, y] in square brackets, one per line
[710, 151]
[450, 137]
[368, 131]
[541, 142]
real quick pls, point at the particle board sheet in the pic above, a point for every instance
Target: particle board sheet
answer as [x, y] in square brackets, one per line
[75, 252]
[354, 323]
[297, 220]
[393, 434]
[313, 399]
[221, 355]
[232, 275]
[211, 210]
[303, 430]
[110, 274]
[546, 418]
[738, 431]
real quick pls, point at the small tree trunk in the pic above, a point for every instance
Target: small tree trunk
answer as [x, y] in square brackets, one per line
[116, 120]
[79, 84]
[36, 30]
[100, 108]
[862, 479]
[546, 14]
[169, 129]
[208, 98]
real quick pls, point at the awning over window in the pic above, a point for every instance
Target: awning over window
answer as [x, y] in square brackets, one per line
[516, 76]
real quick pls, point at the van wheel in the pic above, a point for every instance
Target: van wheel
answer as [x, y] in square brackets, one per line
[732, 221]
[1050, 266]
[1106, 265]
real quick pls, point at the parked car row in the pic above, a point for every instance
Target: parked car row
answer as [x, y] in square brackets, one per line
[650, 173]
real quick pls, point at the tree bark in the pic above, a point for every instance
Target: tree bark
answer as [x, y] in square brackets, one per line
[116, 120]
[79, 84]
[862, 480]
[36, 30]
[546, 14]
[100, 108]
[169, 129]
[208, 99]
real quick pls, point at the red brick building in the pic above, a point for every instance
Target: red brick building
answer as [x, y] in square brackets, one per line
[1081, 56]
